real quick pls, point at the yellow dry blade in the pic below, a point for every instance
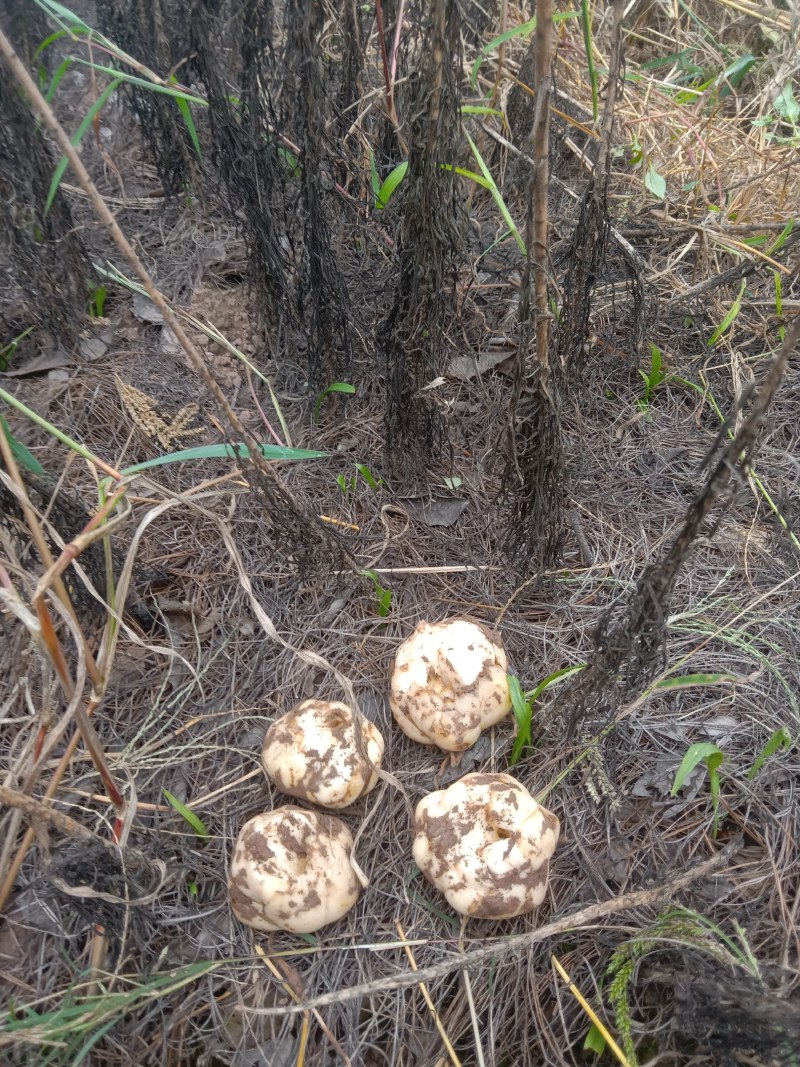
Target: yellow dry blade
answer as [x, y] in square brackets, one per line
[584, 1003]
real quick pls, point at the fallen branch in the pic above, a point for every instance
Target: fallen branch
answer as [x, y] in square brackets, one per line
[642, 898]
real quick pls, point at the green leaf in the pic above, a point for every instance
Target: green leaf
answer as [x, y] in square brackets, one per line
[368, 476]
[595, 1040]
[20, 452]
[495, 43]
[781, 239]
[388, 187]
[780, 739]
[337, 387]
[687, 681]
[523, 713]
[58, 11]
[734, 74]
[702, 751]
[374, 176]
[655, 183]
[786, 105]
[476, 109]
[193, 820]
[508, 35]
[240, 451]
[144, 83]
[55, 81]
[188, 121]
[733, 311]
[382, 595]
[96, 107]
[496, 194]
[551, 679]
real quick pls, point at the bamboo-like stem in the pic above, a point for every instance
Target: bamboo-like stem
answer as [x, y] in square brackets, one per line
[537, 248]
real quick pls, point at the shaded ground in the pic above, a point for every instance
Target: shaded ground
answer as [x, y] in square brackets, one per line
[195, 684]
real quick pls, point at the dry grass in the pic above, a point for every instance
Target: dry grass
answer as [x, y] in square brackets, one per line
[190, 697]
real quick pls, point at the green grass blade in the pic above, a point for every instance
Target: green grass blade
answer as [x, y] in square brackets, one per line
[388, 187]
[20, 452]
[55, 81]
[551, 679]
[730, 316]
[586, 26]
[96, 107]
[240, 451]
[191, 818]
[523, 713]
[699, 752]
[57, 12]
[144, 83]
[48, 427]
[374, 177]
[337, 387]
[497, 195]
[781, 239]
[689, 681]
[188, 121]
[780, 739]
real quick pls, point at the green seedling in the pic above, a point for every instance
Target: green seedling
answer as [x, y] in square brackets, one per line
[349, 485]
[369, 477]
[522, 705]
[712, 756]
[21, 454]
[655, 183]
[337, 387]
[191, 818]
[652, 377]
[784, 114]
[7, 351]
[385, 190]
[730, 316]
[383, 596]
[780, 739]
[594, 1041]
[523, 713]
[188, 121]
[97, 301]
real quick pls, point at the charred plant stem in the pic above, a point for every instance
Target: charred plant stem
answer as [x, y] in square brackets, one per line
[387, 77]
[541, 155]
[269, 482]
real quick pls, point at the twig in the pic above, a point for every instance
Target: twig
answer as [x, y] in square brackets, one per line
[642, 898]
[451, 1052]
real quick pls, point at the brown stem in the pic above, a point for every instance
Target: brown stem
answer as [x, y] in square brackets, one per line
[541, 147]
[42, 547]
[385, 61]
